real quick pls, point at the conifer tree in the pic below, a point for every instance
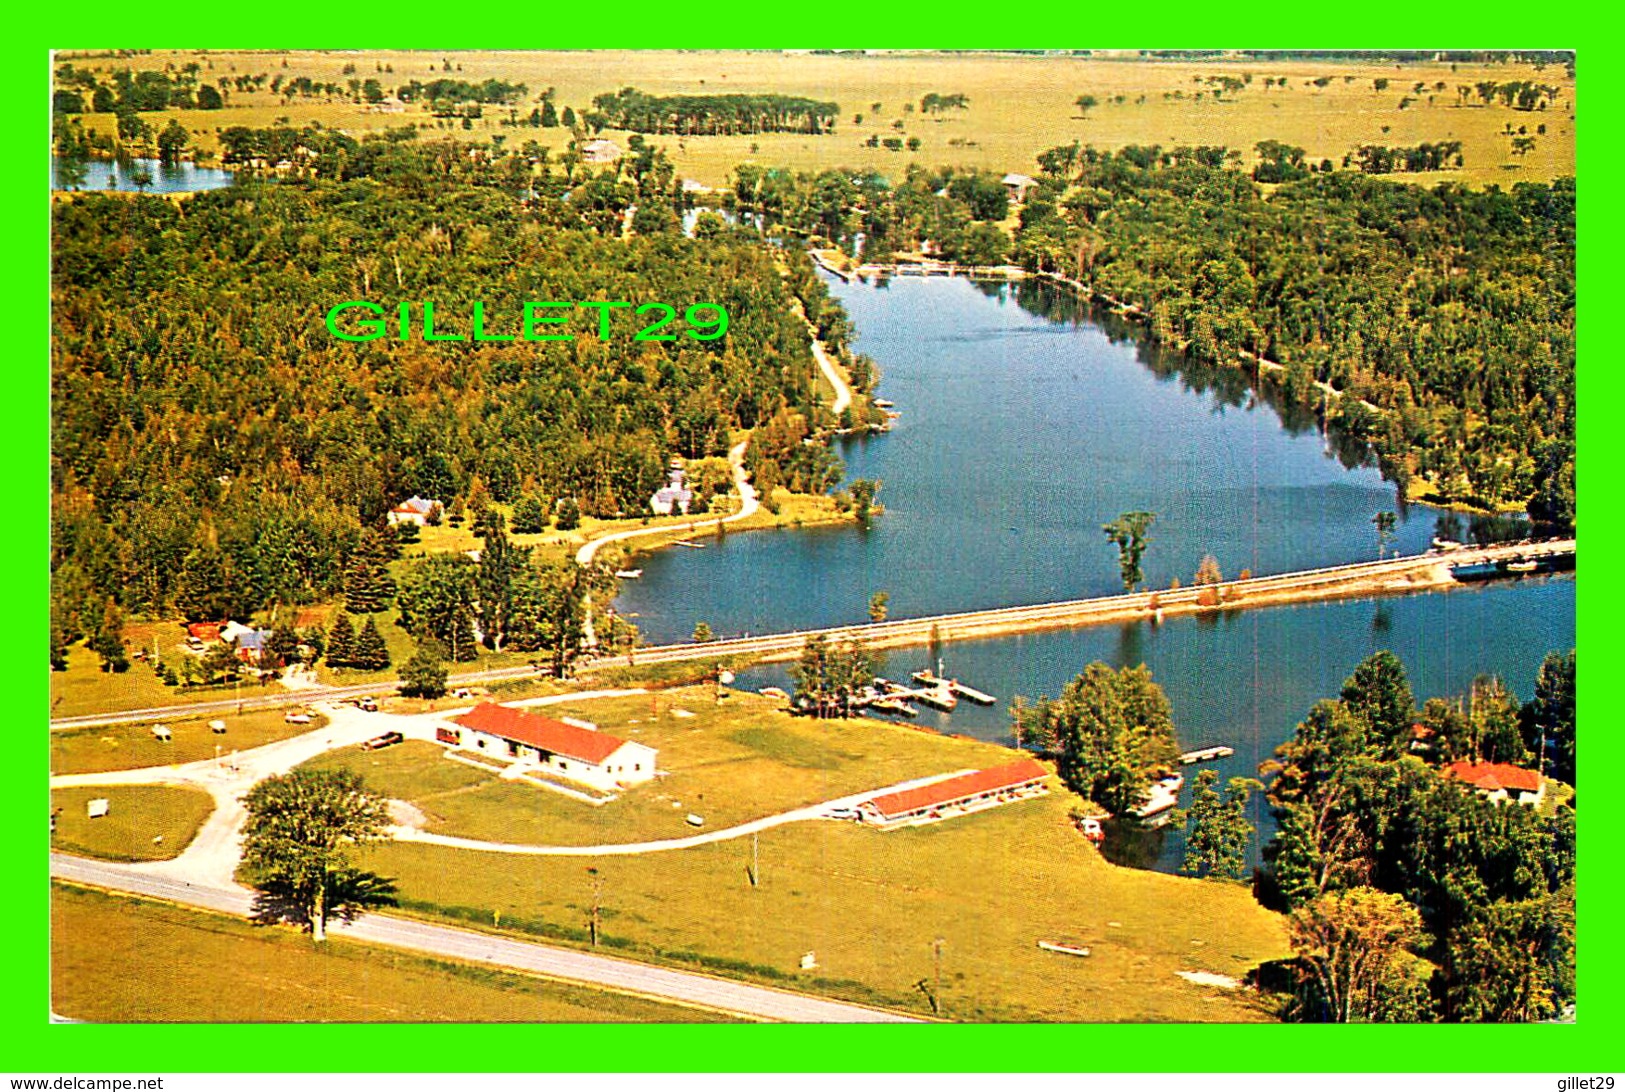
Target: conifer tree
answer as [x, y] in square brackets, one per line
[371, 654]
[341, 642]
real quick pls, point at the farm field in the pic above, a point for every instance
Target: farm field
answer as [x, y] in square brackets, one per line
[729, 764]
[1018, 105]
[143, 822]
[125, 960]
[869, 905]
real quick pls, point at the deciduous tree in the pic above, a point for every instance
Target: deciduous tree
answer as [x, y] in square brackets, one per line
[297, 841]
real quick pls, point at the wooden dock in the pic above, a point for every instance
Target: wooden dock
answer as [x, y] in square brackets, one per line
[954, 686]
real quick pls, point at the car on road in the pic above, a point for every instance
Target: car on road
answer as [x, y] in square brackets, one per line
[388, 739]
[367, 704]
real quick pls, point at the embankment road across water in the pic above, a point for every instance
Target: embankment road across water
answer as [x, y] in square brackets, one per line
[1394, 576]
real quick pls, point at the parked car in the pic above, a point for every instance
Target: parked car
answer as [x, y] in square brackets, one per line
[388, 739]
[367, 705]
[297, 718]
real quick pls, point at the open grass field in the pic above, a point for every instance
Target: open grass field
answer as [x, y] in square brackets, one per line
[143, 822]
[869, 906]
[731, 763]
[131, 746]
[123, 960]
[1019, 105]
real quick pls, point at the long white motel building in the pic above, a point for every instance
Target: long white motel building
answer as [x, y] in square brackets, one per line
[575, 751]
[959, 795]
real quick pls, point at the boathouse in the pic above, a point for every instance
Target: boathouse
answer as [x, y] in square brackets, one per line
[572, 750]
[1500, 781]
[954, 796]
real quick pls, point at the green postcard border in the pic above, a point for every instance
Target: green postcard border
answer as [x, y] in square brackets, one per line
[32, 1044]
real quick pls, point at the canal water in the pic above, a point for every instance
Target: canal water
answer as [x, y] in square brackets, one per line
[1026, 424]
[183, 177]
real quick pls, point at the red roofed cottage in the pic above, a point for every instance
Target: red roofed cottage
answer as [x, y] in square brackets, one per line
[1500, 780]
[570, 750]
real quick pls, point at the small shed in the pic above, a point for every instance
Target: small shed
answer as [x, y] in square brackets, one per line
[97, 807]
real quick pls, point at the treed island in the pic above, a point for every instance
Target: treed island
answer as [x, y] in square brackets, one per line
[217, 454]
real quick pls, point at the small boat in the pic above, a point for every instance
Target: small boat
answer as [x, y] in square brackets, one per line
[1524, 566]
[690, 545]
[629, 574]
[1064, 949]
[1448, 544]
[1204, 754]
[884, 403]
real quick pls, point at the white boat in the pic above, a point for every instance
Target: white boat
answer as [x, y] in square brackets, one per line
[1163, 798]
[1064, 949]
[1522, 566]
[629, 574]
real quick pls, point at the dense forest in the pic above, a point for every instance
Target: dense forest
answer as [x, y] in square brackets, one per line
[710, 115]
[1412, 897]
[1443, 317]
[212, 440]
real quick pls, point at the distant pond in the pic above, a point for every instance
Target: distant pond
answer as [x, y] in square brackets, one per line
[183, 177]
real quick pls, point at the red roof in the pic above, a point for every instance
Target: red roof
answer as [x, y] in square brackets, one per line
[1493, 776]
[544, 733]
[958, 788]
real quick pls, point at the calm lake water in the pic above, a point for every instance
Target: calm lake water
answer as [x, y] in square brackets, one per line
[183, 177]
[1023, 429]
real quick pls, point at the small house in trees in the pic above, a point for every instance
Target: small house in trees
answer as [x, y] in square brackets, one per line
[1500, 781]
[413, 510]
[250, 646]
[1017, 186]
[574, 750]
[600, 151]
[674, 496]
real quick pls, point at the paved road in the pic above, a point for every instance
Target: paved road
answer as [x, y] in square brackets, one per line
[1418, 572]
[736, 998]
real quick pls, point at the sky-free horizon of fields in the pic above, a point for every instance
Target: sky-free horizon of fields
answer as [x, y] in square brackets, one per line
[1019, 104]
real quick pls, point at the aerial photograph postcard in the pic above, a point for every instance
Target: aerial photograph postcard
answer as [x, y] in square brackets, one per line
[814, 536]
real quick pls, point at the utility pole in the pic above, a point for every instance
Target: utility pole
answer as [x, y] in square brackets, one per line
[597, 888]
[936, 989]
[755, 868]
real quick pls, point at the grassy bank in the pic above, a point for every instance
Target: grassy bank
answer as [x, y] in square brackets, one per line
[143, 822]
[869, 905]
[119, 959]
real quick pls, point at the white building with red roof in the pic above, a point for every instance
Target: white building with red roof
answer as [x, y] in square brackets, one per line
[958, 795]
[573, 750]
[1500, 780]
[413, 510]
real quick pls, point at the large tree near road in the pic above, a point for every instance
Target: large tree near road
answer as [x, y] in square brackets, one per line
[297, 842]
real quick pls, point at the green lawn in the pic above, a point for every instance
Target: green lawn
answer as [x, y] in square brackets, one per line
[131, 746]
[729, 764]
[143, 822]
[870, 905]
[122, 960]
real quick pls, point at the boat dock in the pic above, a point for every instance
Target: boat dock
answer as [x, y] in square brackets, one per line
[1205, 754]
[954, 686]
